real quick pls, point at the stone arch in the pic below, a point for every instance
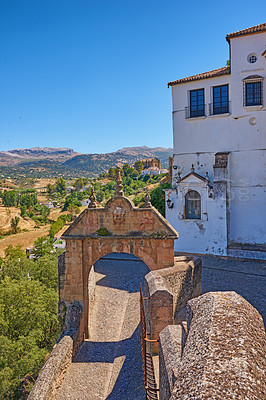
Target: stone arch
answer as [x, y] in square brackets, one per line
[117, 227]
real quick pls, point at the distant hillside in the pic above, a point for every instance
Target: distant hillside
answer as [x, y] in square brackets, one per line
[43, 152]
[45, 162]
[17, 155]
[99, 163]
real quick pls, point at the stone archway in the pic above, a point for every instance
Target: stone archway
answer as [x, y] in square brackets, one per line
[117, 227]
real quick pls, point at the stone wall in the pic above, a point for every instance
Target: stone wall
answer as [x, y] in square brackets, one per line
[221, 357]
[167, 291]
[53, 371]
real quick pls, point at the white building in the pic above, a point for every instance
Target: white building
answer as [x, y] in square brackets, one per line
[85, 202]
[153, 171]
[217, 203]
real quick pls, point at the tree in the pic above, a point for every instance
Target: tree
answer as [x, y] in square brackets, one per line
[23, 211]
[14, 252]
[80, 183]
[158, 198]
[28, 199]
[28, 319]
[28, 330]
[14, 224]
[127, 170]
[73, 209]
[60, 186]
[10, 198]
[50, 188]
[138, 166]
[71, 199]
[45, 212]
[111, 173]
[42, 246]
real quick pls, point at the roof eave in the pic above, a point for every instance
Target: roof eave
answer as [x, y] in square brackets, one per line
[179, 82]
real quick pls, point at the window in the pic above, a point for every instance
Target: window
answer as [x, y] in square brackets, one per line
[220, 100]
[252, 58]
[253, 93]
[197, 106]
[193, 205]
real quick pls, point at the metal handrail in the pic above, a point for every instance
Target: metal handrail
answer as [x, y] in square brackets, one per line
[195, 113]
[148, 370]
[224, 108]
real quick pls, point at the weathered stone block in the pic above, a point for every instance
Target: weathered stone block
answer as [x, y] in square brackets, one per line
[224, 354]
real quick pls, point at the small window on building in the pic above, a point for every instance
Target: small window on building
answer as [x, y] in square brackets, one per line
[192, 205]
[197, 105]
[253, 93]
[252, 58]
[220, 100]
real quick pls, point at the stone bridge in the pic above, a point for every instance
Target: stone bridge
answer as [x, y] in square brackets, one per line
[98, 355]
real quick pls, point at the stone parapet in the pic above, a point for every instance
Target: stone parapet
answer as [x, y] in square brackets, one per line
[158, 306]
[170, 352]
[167, 292]
[72, 325]
[53, 371]
[184, 279]
[222, 355]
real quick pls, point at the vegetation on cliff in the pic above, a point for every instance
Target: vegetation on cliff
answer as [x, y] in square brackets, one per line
[28, 318]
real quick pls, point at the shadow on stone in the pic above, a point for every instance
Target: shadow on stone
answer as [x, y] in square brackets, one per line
[123, 274]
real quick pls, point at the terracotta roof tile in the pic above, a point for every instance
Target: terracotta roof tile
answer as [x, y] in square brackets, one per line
[254, 29]
[205, 75]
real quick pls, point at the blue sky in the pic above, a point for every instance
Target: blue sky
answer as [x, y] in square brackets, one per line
[92, 75]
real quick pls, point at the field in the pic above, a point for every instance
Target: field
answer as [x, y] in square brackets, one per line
[24, 239]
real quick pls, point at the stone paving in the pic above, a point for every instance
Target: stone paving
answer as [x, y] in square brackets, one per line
[245, 277]
[108, 365]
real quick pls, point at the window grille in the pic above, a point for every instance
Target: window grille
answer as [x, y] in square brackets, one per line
[220, 100]
[252, 92]
[197, 106]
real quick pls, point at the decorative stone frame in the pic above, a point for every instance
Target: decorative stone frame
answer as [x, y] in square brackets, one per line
[199, 184]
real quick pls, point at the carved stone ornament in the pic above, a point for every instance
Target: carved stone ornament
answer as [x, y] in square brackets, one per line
[119, 215]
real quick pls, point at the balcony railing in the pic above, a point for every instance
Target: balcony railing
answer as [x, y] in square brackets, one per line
[195, 113]
[223, 108]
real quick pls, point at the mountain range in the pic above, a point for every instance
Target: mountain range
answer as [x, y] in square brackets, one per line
[48, 161]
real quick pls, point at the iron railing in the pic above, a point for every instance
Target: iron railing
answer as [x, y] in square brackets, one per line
[148, 369]
[195, 113]
[224, 108]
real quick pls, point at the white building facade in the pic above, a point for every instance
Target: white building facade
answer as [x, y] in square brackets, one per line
[217, 200]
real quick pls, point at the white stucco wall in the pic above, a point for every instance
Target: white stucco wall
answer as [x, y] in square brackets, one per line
[242, 132]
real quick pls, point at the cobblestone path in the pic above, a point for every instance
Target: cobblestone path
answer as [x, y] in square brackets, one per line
[108, 365]
[245, 277]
